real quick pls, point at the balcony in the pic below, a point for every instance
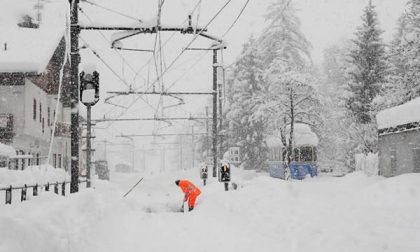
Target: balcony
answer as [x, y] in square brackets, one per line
[62, 129]
[6, 128]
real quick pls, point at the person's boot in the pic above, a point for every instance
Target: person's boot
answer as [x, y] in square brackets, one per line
[190, 209]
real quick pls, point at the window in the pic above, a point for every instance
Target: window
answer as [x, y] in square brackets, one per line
[37, 159]
[296, 154]
[48, 117]
[40, 112]
[3, 161]
[306, 154]
[55, 160]
[43, 126]
[23, 160]
[59, 160]
[34, 110]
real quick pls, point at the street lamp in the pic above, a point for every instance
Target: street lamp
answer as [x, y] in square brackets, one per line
[89, 96]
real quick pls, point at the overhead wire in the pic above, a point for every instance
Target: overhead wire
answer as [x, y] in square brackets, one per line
[147, 63]
[166, 42]
[184, 49]
[206, 52]
[108, 41]
[110, 68]
[237, 18]
[112, 10]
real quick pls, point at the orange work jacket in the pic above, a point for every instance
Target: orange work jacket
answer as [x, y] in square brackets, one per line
[188, 188]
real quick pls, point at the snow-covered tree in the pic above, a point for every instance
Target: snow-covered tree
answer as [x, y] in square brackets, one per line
[283, 39]
[368, 66]
[404, 78]
[289, 98]
[335, 147]
[247, 129]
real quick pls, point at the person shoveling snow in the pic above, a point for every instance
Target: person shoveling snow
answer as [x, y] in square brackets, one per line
[191, 192]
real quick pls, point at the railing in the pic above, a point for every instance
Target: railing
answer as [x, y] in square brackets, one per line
[24, 190]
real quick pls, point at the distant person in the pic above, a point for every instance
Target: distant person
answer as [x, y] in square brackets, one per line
[204, 173]
[191, 192]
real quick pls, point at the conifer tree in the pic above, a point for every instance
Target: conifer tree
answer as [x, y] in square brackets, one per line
[246, 129]
[404, 81]
[282, 38]
[368, 66]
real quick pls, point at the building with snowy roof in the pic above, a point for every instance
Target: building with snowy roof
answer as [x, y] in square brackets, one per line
[399, 139]
[32, 62]
[303, 155]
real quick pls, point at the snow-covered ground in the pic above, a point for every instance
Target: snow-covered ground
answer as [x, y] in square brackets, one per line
[31, 175]
[352, 213]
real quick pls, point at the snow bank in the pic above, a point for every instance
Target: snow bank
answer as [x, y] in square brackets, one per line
[6, 150]
[352, 213]
[403, 190]
[367, 163]
[32, 175]
[399, 115]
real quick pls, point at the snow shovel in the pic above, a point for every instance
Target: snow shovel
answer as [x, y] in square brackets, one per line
[184, 208]
[132, 187]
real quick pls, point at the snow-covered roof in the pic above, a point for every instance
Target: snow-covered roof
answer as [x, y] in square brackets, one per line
[399, 115]
[302, 134]
[27, 49]
[6, 150]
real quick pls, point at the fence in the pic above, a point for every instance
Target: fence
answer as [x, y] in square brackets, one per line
[24, 190]
[367, 163]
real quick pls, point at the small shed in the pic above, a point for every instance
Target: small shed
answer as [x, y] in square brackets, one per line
[304, 154]
[399, 139]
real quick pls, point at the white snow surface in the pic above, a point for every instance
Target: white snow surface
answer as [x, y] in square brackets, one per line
[30, 50]
[32, 175]
[7, 150]
[399, 115]
[352, 213]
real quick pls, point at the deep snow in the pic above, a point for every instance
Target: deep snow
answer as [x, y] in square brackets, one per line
[352, 213]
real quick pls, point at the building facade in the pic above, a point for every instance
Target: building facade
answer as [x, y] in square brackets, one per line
[33, 67]
[399, 139]
[28, 107]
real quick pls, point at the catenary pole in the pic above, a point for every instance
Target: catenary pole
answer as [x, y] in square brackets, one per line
[74, 95]
[214, 148]
[88, 145]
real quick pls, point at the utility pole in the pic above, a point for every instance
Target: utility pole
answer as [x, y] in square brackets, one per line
[88, 145]
[220, 93]
[214, 149]
[74, 95]
[207, 134]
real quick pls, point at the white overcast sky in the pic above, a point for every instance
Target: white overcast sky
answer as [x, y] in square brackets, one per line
[324, 22]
